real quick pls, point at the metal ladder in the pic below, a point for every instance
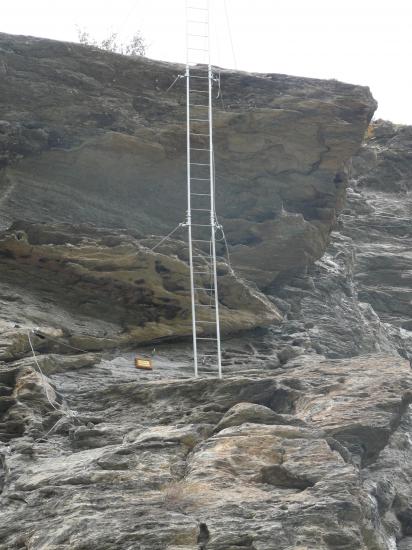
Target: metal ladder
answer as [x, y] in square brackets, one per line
[201, 220]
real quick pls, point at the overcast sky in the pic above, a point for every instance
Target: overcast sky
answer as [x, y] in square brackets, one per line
[365, 42]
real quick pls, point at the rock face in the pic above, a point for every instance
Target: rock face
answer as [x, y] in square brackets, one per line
[357, 298]
[137, 295]
[93, 137]
[315, 455]
[305, 443]
[378, 220]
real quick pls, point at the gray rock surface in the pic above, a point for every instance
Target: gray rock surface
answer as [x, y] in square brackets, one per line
[154, 463]
[357, 298]
[305, 444]
[138, 295]
[93, 137]
[382, 228]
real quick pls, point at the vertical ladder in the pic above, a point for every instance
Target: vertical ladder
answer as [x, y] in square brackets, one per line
[201, 217]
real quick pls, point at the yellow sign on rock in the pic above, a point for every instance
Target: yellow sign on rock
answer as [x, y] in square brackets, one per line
[144, 364]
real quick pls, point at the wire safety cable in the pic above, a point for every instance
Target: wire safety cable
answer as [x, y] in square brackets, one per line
[118, 28]
[179, 76]
[230, 33]
[167, 236]
[223, 238]
[46, 336]
[55, 425]
[38, 333]
[219, 225]
[41, 373]
[67, 413]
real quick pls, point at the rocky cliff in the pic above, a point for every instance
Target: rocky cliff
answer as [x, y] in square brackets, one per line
[305, 443]
[93, 137]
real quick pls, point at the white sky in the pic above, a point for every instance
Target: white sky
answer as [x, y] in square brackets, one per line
[365, 42]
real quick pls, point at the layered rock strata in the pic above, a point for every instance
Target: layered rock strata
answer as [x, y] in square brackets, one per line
[378, 219]
[93, 137]
[305, 443]
[104, 289]
[357, 298]
[314, 455]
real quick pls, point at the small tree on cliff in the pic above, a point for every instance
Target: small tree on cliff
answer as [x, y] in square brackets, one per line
[135, 46]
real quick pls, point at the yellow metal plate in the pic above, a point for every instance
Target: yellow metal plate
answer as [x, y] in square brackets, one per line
[145, 364]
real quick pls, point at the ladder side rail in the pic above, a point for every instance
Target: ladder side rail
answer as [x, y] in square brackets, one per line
[213, 210]
[189, 208]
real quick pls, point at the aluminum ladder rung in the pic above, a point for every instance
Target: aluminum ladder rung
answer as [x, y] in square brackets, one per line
[203, 338]
[201, 194]
[197, 8]
[195, 75]
[205, 322]
[196, 134]
[199, 120]
[201, 225]
[205, 305]
[199, 22]
[200, 179]
[205, 289]
[199, 164]
[198, 91]
[197, 50]
[197, 105]
[200, 210]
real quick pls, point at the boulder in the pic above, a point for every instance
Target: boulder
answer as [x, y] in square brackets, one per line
[252, 413]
